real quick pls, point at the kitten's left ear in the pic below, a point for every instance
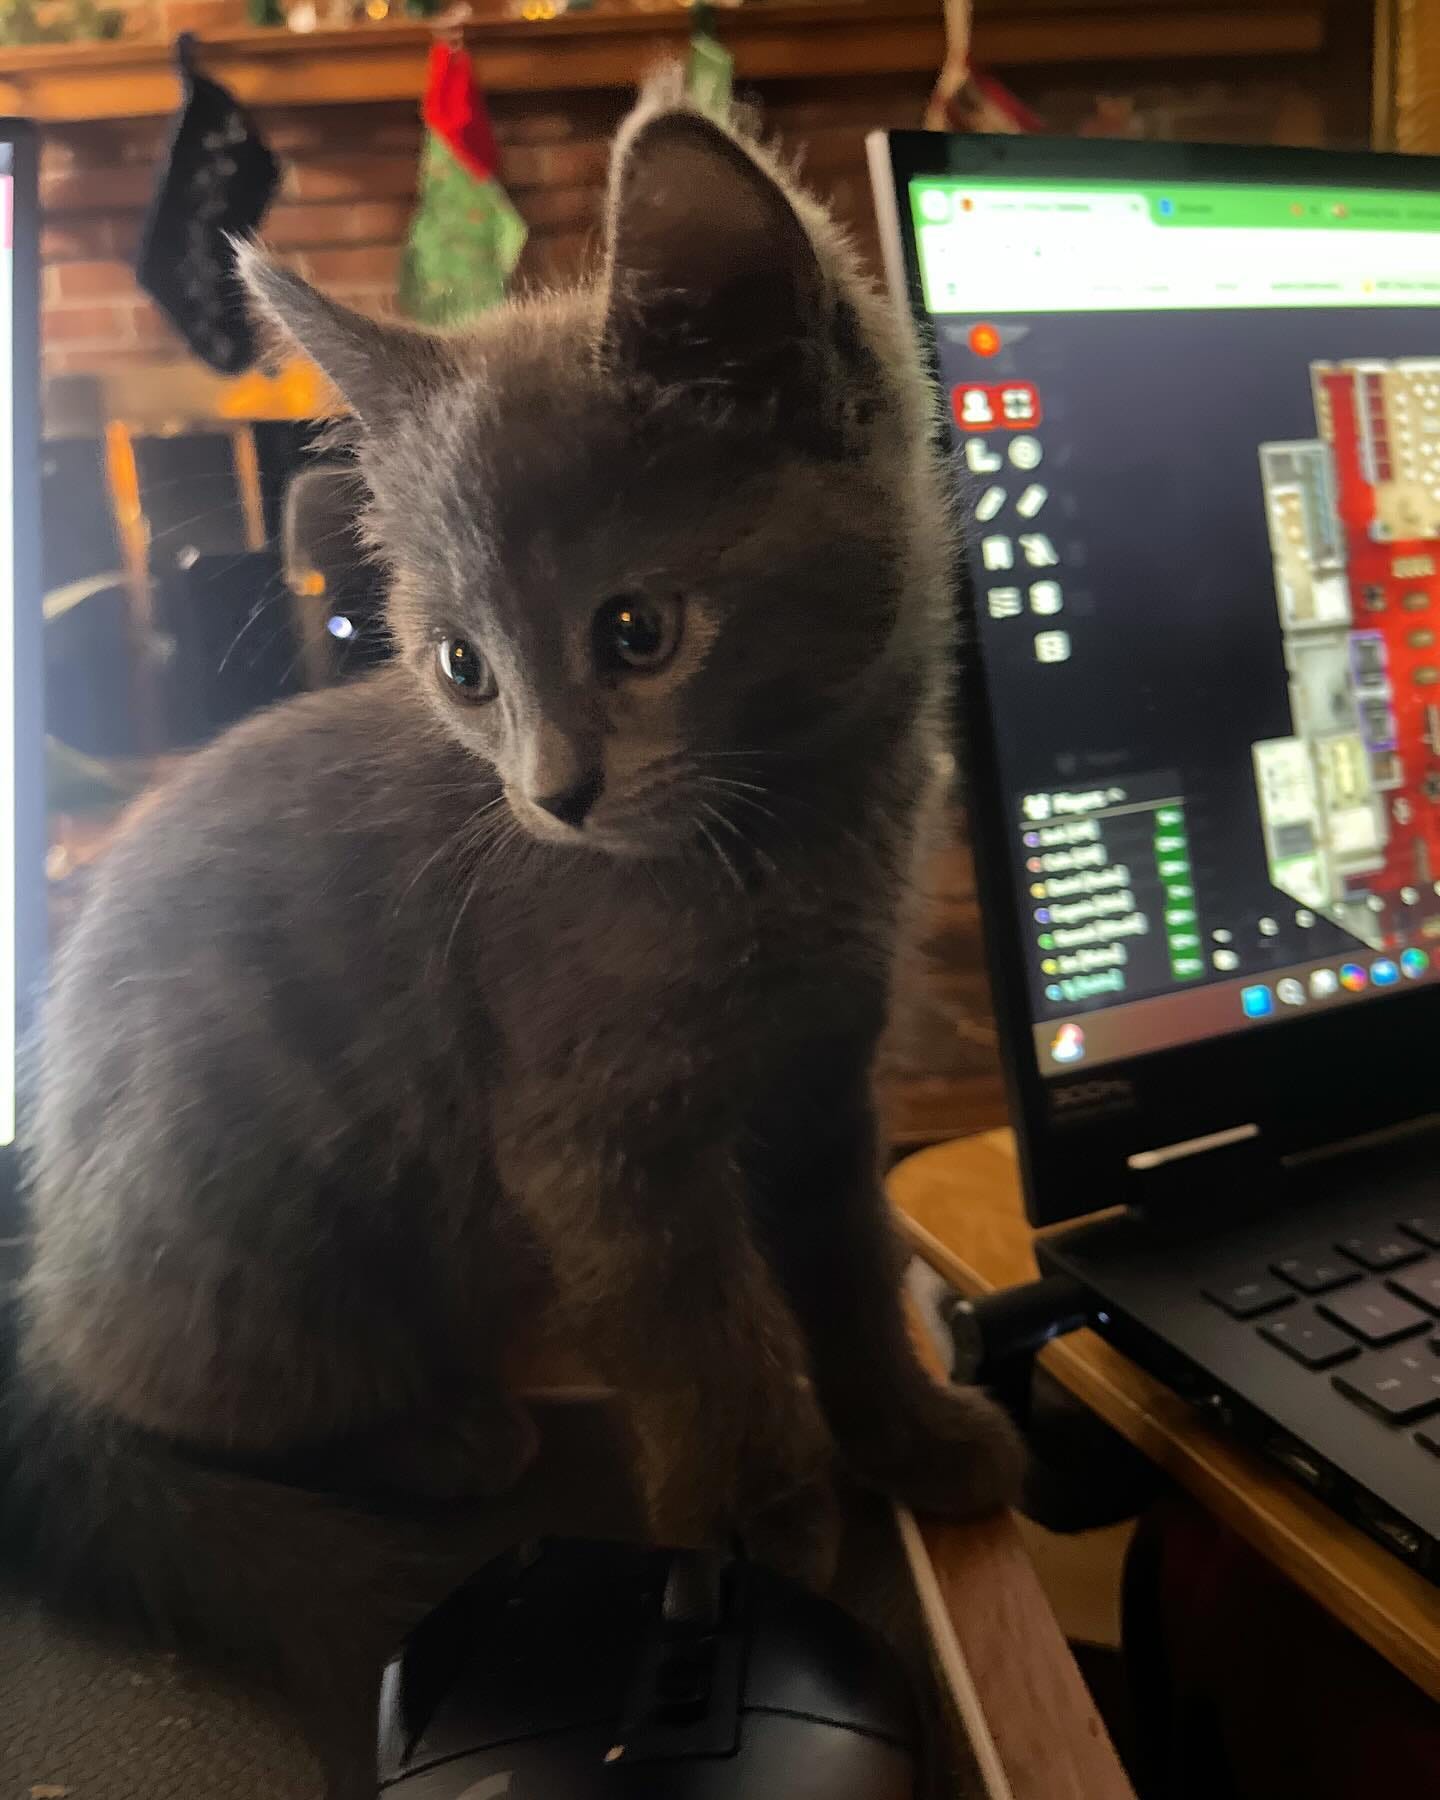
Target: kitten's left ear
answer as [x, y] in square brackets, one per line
[381, 371]
[711, 279]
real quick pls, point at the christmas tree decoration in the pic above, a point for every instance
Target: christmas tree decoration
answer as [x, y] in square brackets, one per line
[710, 71]
[465, 237]
[218, 179]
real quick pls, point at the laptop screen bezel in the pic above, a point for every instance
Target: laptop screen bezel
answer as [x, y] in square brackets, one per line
[1291, 1086]
[28, 872]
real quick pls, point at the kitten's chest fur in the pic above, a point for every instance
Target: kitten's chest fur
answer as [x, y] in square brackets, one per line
[306, 933]
[634, 1006]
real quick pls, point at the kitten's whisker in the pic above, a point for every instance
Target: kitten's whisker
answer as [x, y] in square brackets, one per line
[790, 798]
[492, 840]
[498, 842]
[765, 812]
[654, 878]
[459, 844]
[475, 855]
[471, 889]
[762, 812]
[256, 612]
[719, 849]
[752, 755]
[729, 781]
[734, 790]
[443, 790]
[762, 857]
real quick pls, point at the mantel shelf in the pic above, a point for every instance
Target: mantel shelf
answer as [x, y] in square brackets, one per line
[775, 40]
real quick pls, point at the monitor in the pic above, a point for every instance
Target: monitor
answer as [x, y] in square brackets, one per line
[22, 923]
[1192, 408]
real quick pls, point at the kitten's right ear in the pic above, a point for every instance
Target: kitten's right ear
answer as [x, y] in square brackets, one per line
[381, 371]
[712, 282]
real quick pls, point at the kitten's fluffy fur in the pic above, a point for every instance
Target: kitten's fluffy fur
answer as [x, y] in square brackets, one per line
[357, 1056]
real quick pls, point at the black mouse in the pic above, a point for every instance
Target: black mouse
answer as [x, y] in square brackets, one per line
[603, 1672]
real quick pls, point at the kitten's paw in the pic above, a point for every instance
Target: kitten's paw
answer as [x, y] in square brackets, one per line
[798, 1536]
[956, 1454]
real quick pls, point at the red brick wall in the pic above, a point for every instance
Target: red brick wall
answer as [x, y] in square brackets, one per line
[349, 189]
[350, 176]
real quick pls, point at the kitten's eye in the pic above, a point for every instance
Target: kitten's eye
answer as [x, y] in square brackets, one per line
[634, 632]
[465, 669]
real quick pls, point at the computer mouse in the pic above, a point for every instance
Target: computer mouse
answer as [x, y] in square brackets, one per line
[603, 1672]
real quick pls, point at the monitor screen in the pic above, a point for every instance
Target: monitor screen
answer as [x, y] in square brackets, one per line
[1196, 437]
[9, 984]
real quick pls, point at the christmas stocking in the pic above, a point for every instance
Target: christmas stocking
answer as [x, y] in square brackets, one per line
[710, 72]
[466, 237]
[964, 99]
[217, 181]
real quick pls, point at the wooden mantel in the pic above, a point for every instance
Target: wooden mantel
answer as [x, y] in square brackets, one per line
[773, 40]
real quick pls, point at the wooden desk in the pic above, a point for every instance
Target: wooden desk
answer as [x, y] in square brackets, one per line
[960, 1204]
[998, 1653]
[1027, 1716]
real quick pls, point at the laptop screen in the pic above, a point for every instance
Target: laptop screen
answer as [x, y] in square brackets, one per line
[1196, 436]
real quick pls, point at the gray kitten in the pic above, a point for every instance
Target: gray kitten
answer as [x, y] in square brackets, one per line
[543, 972]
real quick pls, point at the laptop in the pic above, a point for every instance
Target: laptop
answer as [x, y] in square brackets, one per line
[1193, 412]
[22, 770]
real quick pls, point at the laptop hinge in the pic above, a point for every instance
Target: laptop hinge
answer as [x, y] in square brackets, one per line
[1212, 1171]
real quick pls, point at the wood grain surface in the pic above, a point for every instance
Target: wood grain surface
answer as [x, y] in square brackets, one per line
[1029, 1718]
[1407, 76]
[960, 1206]
[784, 39]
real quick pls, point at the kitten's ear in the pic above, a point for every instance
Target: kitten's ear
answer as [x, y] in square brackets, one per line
[711, 278]
[379, 370]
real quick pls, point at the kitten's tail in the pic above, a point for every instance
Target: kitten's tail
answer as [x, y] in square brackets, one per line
[111, 1526]
[103, 1523]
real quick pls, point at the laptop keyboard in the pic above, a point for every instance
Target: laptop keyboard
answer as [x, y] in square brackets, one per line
[1421, 1285]
[1316, 1272]
[1374, 1314]
[1310, 1340]
[1402, 1386]
[1366, 1308]
[1251, 1296]
[1425, 1226]
[1381, 1250]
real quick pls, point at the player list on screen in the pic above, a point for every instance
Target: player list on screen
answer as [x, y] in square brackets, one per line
[1111, 892]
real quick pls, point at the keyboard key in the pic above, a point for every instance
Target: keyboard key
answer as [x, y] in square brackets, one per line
[1425, 1226]
[1250, 1296]
[1315, 1271]
[1310, 1340]
[1380, 1249]
[1420, 1284]
[1430, 1438]
[1374, 1314]
[1402, 1386]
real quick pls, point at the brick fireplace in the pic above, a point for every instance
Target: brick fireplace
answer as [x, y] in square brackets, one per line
[340, 110]
[349, 189]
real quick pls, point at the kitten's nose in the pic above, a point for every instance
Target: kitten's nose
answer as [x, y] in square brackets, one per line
[571, 805]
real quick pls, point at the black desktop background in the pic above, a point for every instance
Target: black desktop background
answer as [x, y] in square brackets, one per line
[1151, 430]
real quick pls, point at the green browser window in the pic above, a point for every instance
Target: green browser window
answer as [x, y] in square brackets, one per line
[1071, 247]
